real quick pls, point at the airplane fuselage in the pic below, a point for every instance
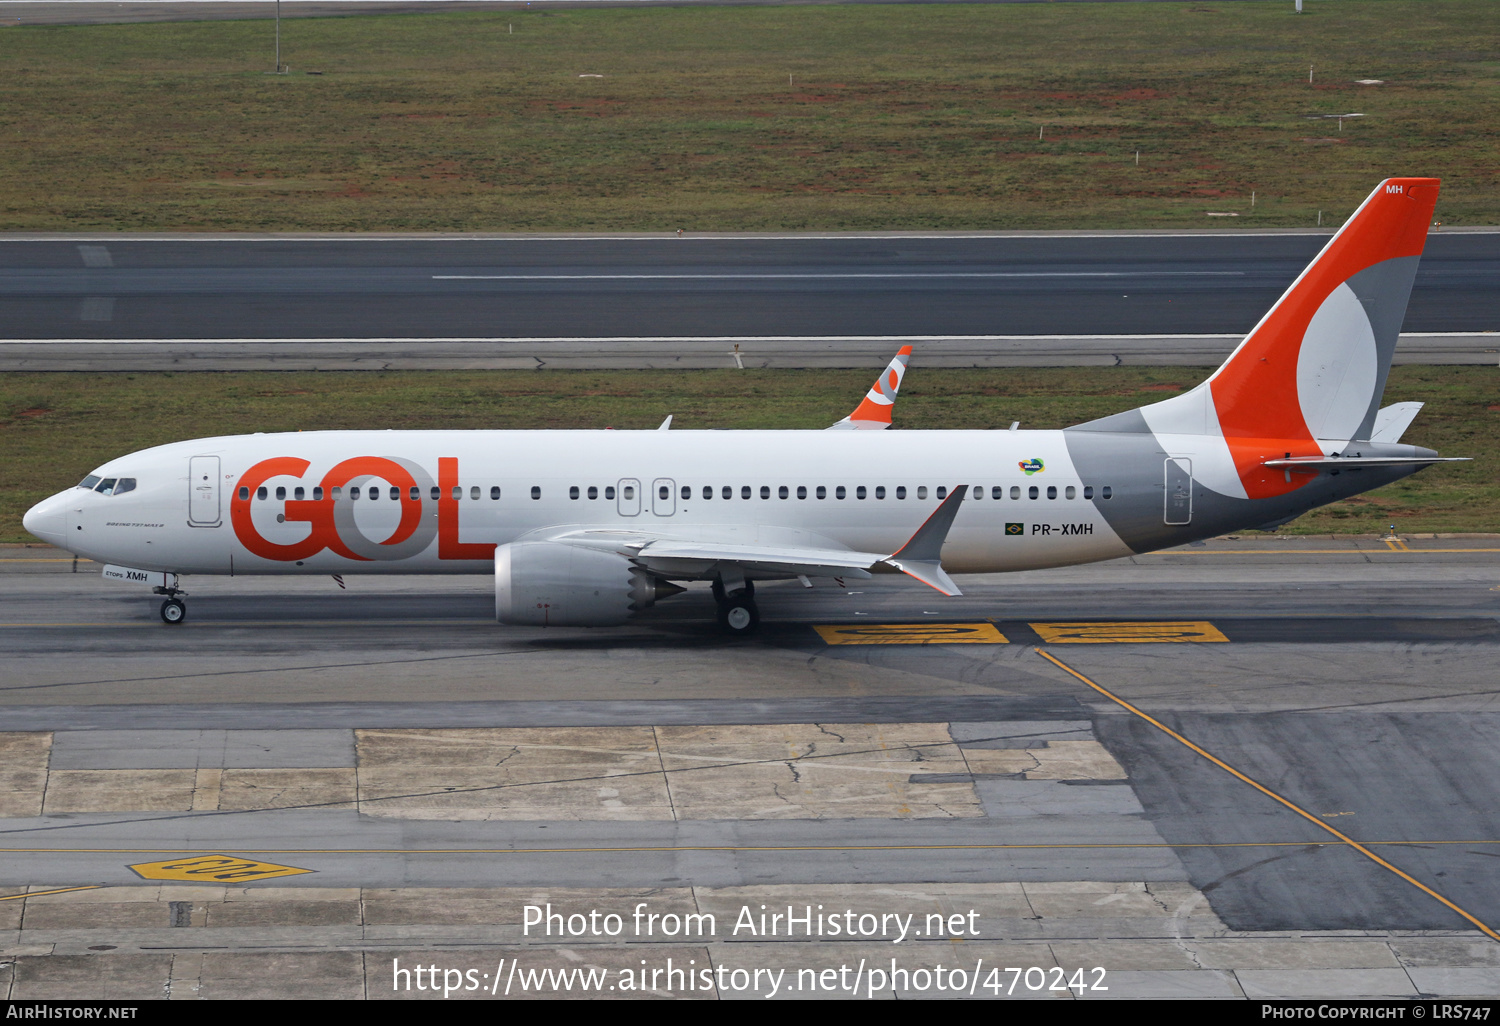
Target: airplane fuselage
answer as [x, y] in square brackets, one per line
[344, 502]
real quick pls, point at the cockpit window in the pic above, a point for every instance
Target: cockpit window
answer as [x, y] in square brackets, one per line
[106, 487]
[89, 482]
[125, 484]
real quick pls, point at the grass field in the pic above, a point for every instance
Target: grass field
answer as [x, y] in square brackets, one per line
[54, 428]
[728, 118]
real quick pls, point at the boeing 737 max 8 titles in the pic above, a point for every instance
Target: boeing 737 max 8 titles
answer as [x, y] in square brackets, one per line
[588, 527]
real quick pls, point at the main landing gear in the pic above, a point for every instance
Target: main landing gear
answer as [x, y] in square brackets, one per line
[737, 613]
[173, 609]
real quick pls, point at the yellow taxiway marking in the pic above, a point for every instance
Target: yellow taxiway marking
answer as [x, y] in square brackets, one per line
[213, 867]
[668, 848]
[1395, 544]
[1299, 810]
[1134, 632]
[911, 634]
[55, 890]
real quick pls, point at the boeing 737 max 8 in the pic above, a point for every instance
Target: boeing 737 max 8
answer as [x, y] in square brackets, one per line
[587, 527]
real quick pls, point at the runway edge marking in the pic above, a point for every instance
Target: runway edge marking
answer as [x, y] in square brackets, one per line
[1351, 842]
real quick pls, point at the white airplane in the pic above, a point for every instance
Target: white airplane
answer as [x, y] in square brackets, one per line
[586, 528]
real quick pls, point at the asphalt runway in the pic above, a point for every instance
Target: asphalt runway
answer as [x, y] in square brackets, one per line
[323, 302]
[1353, 677]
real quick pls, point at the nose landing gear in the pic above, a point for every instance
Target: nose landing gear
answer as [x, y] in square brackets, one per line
[173, 609]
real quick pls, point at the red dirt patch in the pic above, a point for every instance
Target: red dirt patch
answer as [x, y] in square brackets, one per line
[38, 411]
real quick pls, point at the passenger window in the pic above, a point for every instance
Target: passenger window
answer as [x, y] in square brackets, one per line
[1088, 491]
[901, 491]
[942, 492]
[1070, 492]
[838, 493]
[338, 493]
[744, 491]
[280, 492]
[708, 491]
[609, 491]
[89, 482]
[687, 491]
[536, 492]
[979, 491]
[372, 491]
[822, 492]
[859, 492]
[354, 492]
[664, 492]
[1015, 491]
[573, 492]
[261, 493]
[436, 495]
[593, 492]
[244, 493]
[782, 492]
[414, 494]
[880, 491]
[1052, 491]
[765, 491]
[802, 491]
[296, 494]
[921, 491]
[1032, 492]
[457, 493]
[317, 493]
[997, 492]
[728, 492]
[1106, 491]
[629, 492]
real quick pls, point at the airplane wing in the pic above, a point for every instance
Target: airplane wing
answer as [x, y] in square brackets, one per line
[685, 559]
[874, 412]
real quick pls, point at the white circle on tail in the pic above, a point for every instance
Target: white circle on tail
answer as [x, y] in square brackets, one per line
[1337, 367]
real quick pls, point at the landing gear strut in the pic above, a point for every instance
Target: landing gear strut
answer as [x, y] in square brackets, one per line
[173, 609]
[737, 612]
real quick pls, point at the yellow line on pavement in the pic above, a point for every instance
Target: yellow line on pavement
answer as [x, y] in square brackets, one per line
[1351, 842]
[56, 890]
[185, 852]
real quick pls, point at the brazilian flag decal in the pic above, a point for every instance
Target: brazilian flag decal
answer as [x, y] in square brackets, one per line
[1015, 528]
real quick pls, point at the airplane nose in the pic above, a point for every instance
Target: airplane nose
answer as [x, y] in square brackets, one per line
[48, 520]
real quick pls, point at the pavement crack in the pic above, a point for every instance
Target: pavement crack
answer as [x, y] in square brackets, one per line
[824, 730]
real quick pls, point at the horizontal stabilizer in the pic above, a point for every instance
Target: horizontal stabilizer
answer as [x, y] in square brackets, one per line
[1391, 423]
[1355, 462]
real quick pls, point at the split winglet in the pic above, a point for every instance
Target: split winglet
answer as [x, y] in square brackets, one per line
[921, 556]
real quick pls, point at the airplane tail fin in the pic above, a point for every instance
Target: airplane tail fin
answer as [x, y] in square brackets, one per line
[874, 412]
[1315, 366]
[1308, 378]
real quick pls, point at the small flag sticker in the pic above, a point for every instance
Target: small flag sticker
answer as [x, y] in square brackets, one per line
[1015, 528]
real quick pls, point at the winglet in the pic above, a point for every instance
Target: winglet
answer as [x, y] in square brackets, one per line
[874, 411]
[921, 556]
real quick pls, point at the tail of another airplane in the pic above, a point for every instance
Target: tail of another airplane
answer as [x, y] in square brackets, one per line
[874, 411]
[1308, 379]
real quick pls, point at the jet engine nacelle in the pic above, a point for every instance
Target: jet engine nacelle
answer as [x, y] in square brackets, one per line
[550, 584]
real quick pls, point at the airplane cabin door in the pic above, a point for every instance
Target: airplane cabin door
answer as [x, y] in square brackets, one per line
[663, 497]
[629, 497]
[203, 491]
[1179, 491]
